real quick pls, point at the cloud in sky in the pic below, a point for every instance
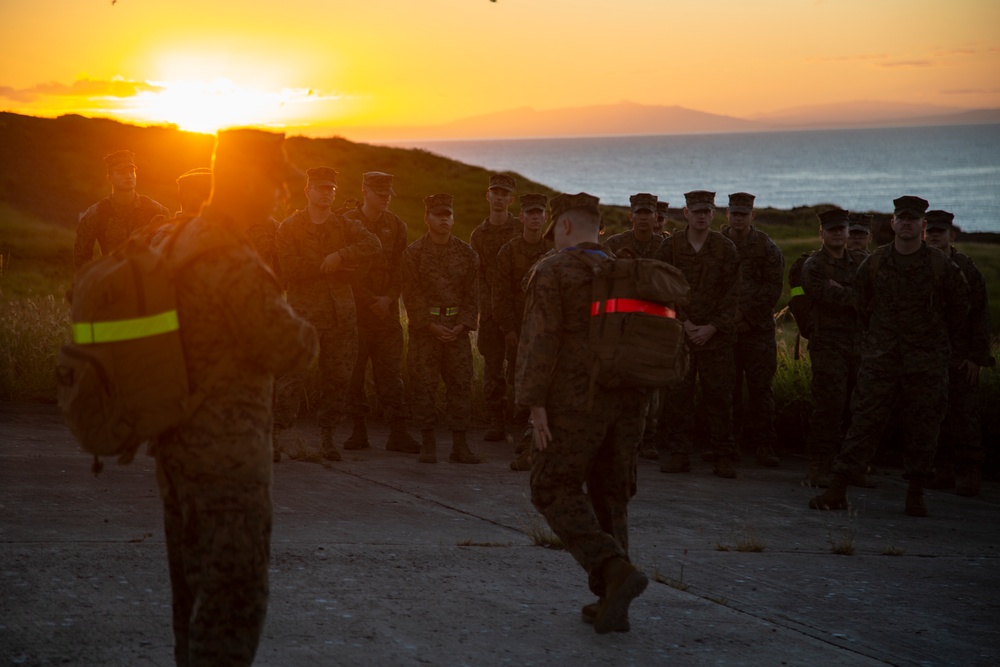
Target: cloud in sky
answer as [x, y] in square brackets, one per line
[971, 91]
[116, 87]
[840, 59]
[955, 52]
[907, 63]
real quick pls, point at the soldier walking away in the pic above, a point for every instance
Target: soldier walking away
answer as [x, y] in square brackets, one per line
[515, 260]
[859, 232]
[578, 444]
[959, 459]
[914, 302]
[711, 264]
[380, 336]
[439, 292]
[487, 239]
[112, 220]
[214, 470]
[318, 251]
[762, 276]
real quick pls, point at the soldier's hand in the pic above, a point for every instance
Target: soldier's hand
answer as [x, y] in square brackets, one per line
[971, 371]
[331, 263]
[380, 307]
[457, 331]
[702, 333]
[541, 435]
[441, 332]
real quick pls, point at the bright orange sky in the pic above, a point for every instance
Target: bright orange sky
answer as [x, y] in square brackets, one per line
[309, 65]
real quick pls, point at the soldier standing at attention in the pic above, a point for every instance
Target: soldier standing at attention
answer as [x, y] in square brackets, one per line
[859, 231]
[214, 470]
[515, 259]
[914, 301]
[711, 264]
[762, 276]
[660, 224]
[578, 443]
[112, 220]
[487, 239]
[380, 335]
[959, 459]
[640, 241]
[439, 292]
[317, 251]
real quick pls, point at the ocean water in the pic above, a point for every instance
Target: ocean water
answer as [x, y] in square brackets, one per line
[956, 168]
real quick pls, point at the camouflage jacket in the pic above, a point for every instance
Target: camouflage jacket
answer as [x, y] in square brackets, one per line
[915, 314]
[626, 241]
[110, 224]
[439, 284]
[714, 275]
[513, 263]
[324, 300]
[381, 274]
[232, 313]
[486, 240]
[978, 323]
[762, 277]
[834, 313]
[264, 239]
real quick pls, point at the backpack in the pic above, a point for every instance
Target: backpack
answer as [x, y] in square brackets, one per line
[798, 303]
[634, 335]
[123, 378]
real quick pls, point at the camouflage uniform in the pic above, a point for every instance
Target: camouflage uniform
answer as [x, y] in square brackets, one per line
[439, 287]
[626, 245]
[326, 301]
[214, 471]
[594, 445]
[264, 239]
[380, 340]
[110, 224]
[762, 271]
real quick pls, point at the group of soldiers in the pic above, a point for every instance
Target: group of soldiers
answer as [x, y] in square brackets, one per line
[903, 326]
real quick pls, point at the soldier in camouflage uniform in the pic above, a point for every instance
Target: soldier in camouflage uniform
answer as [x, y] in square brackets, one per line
[439, 292]
[193, 189]
[859, 232]
[828, 278]
[214, 470]
[660, 224]
[914, 301]
[487, 239]
[514, 261]
[318, 250]
[959, 459]
[112, 220]
[579, 442]
[380, 335]
[711, 264]
[762, 276]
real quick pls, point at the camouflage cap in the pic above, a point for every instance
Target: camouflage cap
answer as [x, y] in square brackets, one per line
[533, 201]
[699, 200]
[316, 174]
[502, 181]
[439, 202]
[244, 148]
[562, 203]
[910, 206]
[940, 220]
[119, 158]
[741, 202]
[642, 200]
[859, 222]
[378, 182]
[834, 217]
[662, 207]
[199, 179]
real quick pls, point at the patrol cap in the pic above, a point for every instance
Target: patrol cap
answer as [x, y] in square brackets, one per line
[562, 203]
[119, 158]
[533, 201]
[741, 202]
[859, 222]
[641, 201]
[502, 181]
[199, 179]
[940, 220]
[699, 200]
[378, 182]
[316, 174]
[662, 207]
[910, 206]
[243, 148]
[439, 203]
[834, 217]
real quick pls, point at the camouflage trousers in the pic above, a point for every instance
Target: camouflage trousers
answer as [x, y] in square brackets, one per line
[834, 375]
[338, 354]
[755, 357]
[960, 441]
[583, 481]
[713, 369]
[880, 384]
[218, 535]
[382, 343]
[519, 415]
[429, 361]
[492, 344]
[654, 408]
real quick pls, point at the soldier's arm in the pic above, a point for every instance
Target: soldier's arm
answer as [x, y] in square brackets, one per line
[665, 254]
[955, 294]
[760, 307]
[818, 287]
[86, 236]
[864, 291]
[296, 264]
[467, 313]
[727, 297]
[414, 299]
[540, 340]
[361, 244]
[503, 300]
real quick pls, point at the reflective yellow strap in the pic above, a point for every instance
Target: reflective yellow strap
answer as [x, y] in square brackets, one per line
[85, 333]
[435, 311]
[798, 291]
[451, 311]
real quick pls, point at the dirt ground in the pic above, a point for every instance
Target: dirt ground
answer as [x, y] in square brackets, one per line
[382, 561]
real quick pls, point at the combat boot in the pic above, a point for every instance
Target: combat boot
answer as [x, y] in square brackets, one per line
[328, 448]
[399, 440]
[359, 435]
[648, 450]
[766, 457]
[496, 431]
[522, 450]
[428, 447]
[589, 613]
[622, 584]
[835, 497]
[915, 505]
[969, 481]
[676, 462]
[944, 478]
[276, 443]
[724, 468]
[460, 449]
